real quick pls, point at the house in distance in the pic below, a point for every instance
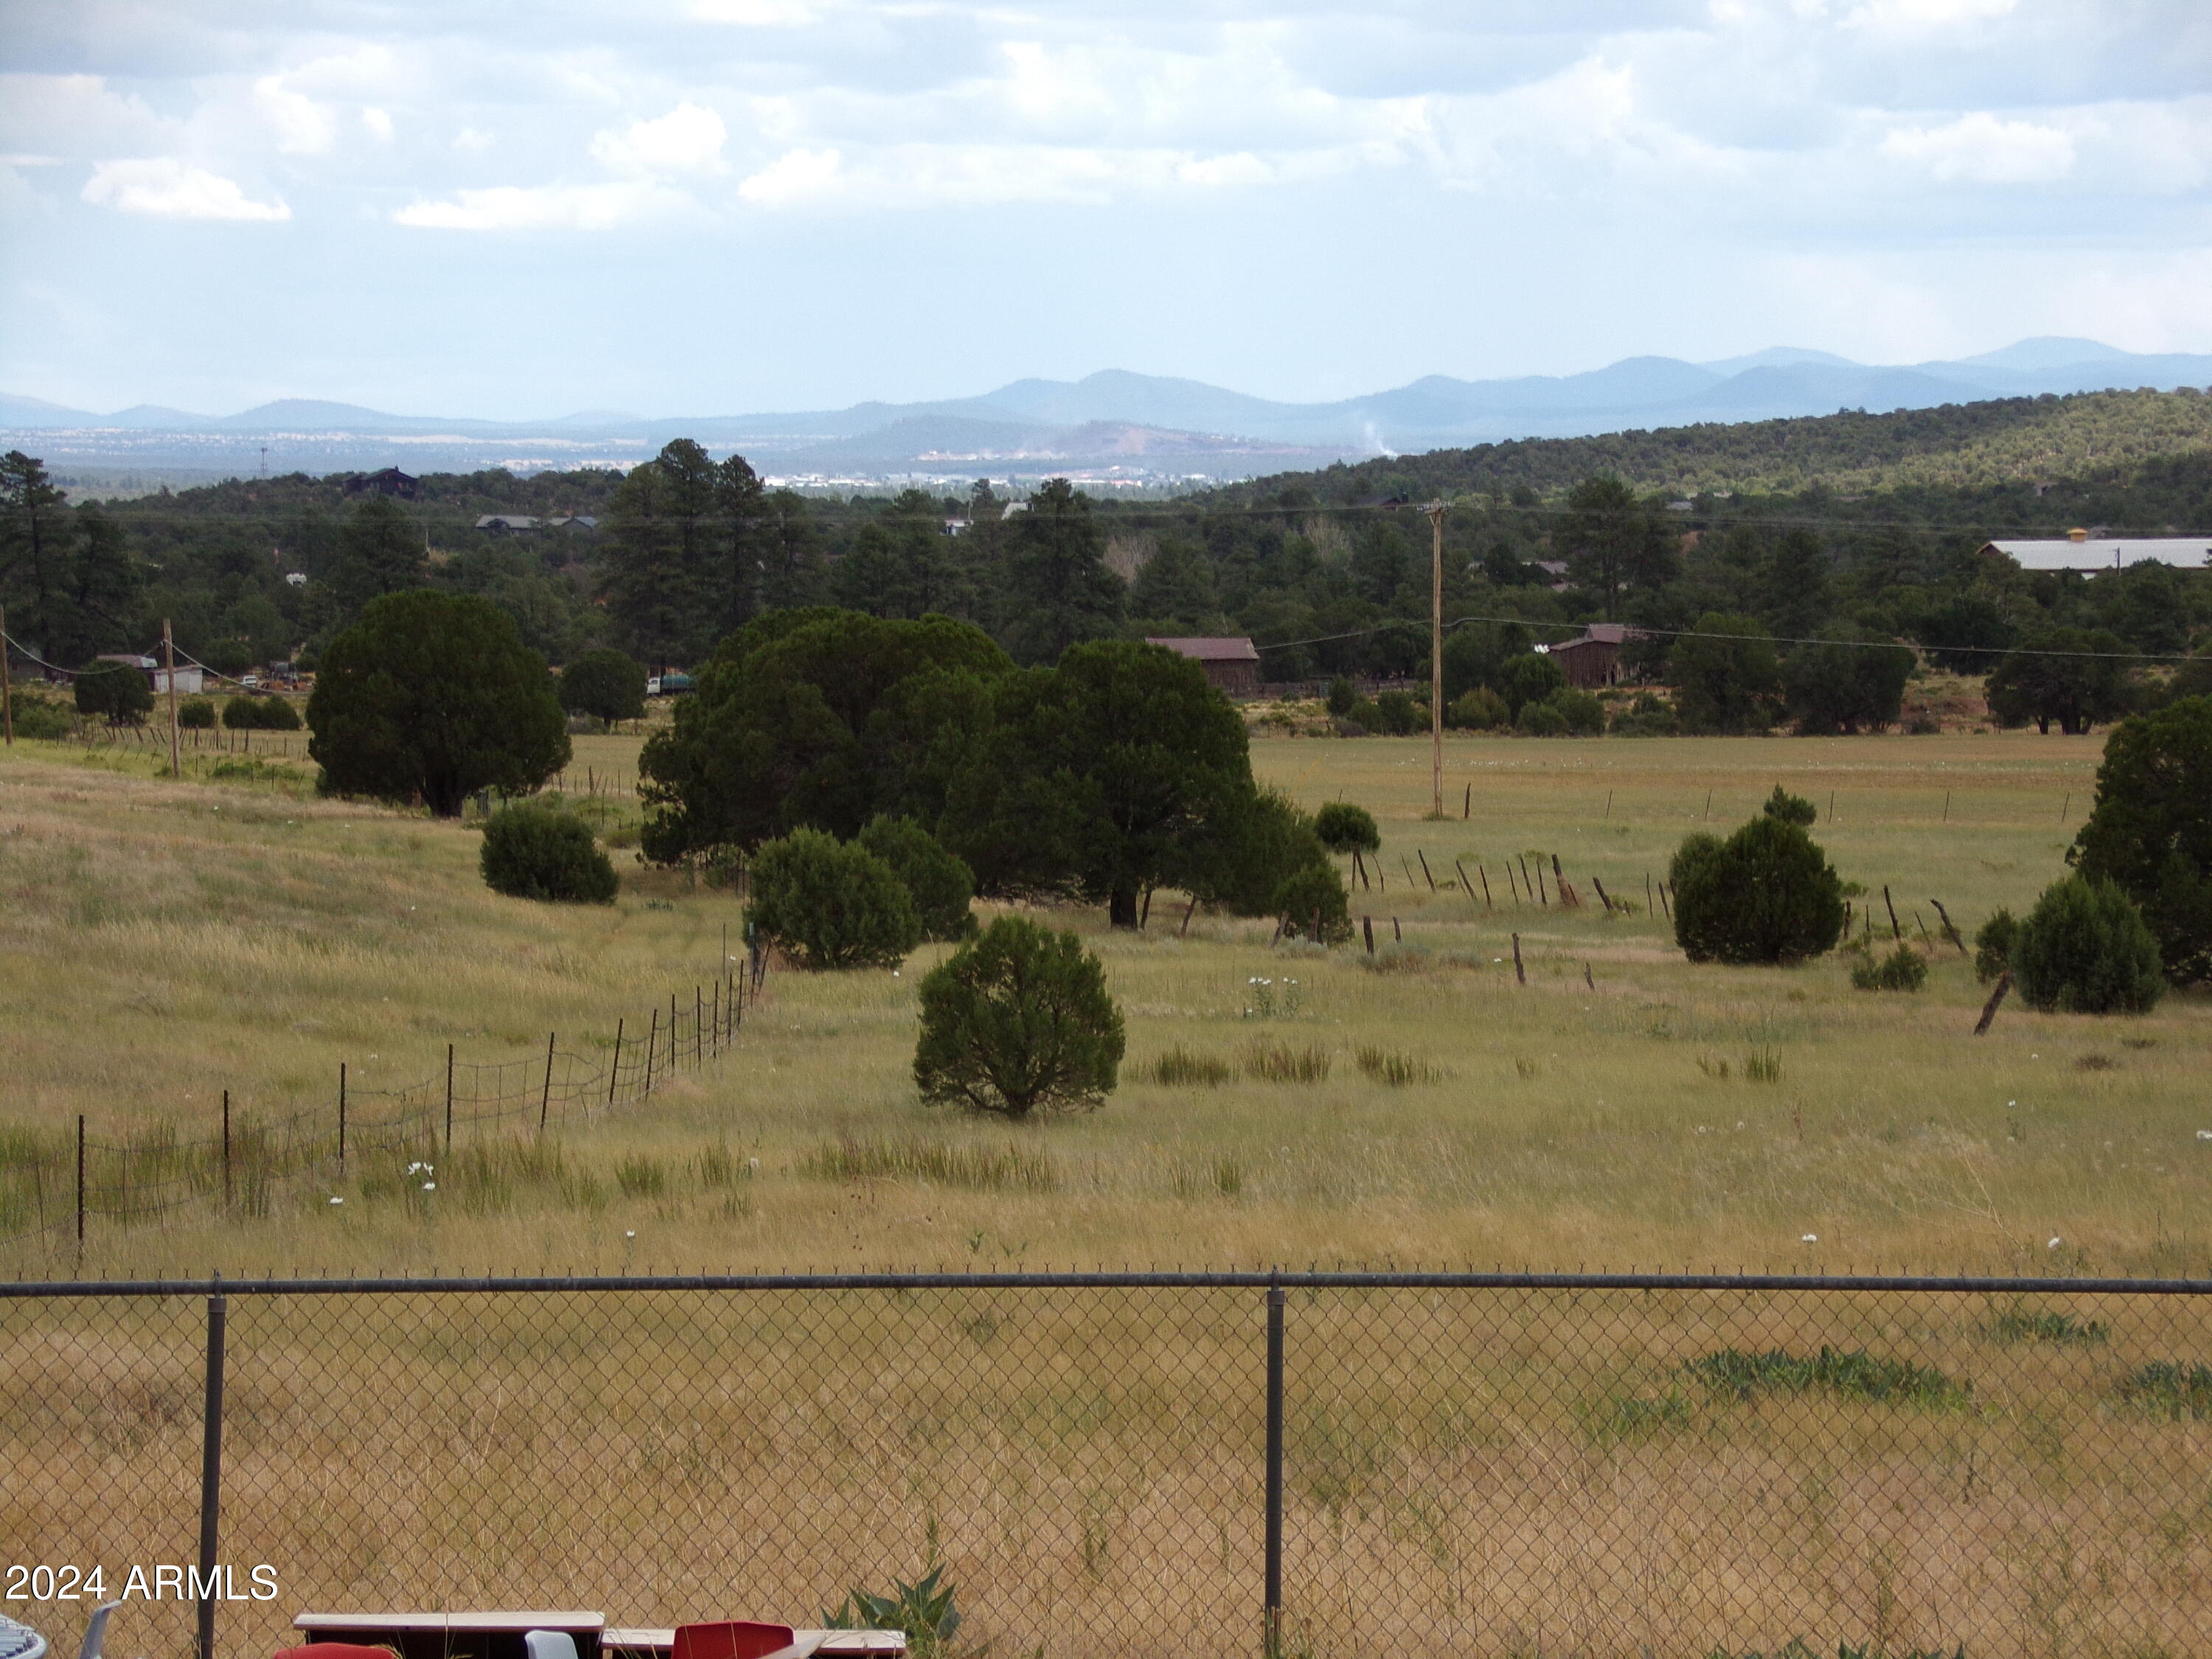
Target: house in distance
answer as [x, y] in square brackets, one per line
[1593, 660]
[1232, 664]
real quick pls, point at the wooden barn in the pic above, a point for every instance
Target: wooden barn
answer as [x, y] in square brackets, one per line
[1232, 664]
[1594, 659]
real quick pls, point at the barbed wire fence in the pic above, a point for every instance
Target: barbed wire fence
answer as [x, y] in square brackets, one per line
[1291, 1465]
[55, 1190]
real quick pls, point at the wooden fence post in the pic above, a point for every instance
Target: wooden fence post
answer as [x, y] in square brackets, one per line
[449, 1099]
[614, 1071]
[342, 1104]
[1519, 972]
[546, 1100]
[226, 1153]
[1424, 858]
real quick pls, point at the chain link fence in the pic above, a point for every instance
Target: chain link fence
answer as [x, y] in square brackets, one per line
[1148, 1464]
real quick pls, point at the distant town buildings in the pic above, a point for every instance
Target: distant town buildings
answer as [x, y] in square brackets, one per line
[2080, 551]
[390, 482]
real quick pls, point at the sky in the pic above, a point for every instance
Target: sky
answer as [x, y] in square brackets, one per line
[518, 209]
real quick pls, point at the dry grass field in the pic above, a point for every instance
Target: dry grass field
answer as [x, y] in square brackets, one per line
[1511, 1474]
[167, 941]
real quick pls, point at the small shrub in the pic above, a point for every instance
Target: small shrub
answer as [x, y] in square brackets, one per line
[1344, 828]
[1542, 720]
[1313, 905]
[1735, 1375]
[1479, 710]
[1278, 1062]
[196, 714]
[1993, 942]
[1582, 711]
[2036, 1325]
[1180, 1068]
[1343, 696]
[1766, 894]
[641, 1177]
[535, 852]
[1647, 716]
[43, 719]
[1391, 1069]
[1017, 1021]
[252, 714]
[2164, 1388]
[1902, 969]
[940, 883]
[1400, 713]
[830, 904]
[2085, 949]
[1791, 809]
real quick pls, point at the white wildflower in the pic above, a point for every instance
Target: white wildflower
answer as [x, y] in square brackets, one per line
[1809, 1238]
[337, 1200]
[2052, 1245]
[429, 1186]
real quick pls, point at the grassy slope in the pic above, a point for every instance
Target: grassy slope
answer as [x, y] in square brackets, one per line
[167, 941]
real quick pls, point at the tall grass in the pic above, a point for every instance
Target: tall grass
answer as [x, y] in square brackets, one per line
[1004, 1168]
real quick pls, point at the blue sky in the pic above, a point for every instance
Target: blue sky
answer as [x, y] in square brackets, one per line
[511, 209]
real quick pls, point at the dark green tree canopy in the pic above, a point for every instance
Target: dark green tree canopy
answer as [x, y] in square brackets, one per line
[1766, 894]
[1613, 541]
[939, 883]
[534, 851]
[2039, 682]
[435, 694]
[1058, 589]
[604, 684]
[1725, 675]
[1018, 1022]
[2150, 832]
[1841, 686]
[1116, 770]
[1345, 827]
[116, 691]
[808, 718]
[379, 551]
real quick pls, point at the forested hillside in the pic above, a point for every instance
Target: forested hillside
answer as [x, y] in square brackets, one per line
[2016, 441]
[1867, 525]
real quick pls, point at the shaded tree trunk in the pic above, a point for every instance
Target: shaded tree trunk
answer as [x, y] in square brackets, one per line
[1121, 907]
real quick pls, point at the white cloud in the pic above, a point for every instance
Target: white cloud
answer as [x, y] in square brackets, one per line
[1979, 148]
[795, 176]
[544, 207]
[1914, 16]
[379, 123]
[165, 188]
[756, 14]
[688, 139]
[303, 127]
[470, 138]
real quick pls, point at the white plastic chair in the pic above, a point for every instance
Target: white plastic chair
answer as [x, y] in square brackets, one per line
[549, 1644]
[95, 1631]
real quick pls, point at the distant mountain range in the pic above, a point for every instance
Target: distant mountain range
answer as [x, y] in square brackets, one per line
[1136, 426]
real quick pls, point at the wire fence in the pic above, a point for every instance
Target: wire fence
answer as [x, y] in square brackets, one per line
[1298, 1464]
[56, 1188]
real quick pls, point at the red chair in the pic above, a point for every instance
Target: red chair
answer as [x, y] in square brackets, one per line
[735, 1639]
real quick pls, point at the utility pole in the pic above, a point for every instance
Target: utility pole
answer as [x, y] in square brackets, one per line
[169, 665]
[7, 699]
[1436, 511]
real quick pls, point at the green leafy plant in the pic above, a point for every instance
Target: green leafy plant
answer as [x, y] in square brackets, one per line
[832, 904]
[923, 1610]
[2166, 1388]
[1016, 1022]
[1903, 969]
[1313, 905]
[1735, 1375]
[196, 713]
[43, 719]
[2085, 949]
[1479, 710]
[1343, 696]
[537, 852]
[2039, 1325]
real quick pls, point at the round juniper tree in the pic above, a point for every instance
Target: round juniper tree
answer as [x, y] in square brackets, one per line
[2150, 831]
[1766, 894]
[1344, 828]
[435, 694]
[1018, 1022]
[2085, 949]
[604, 684]
[536, 852]
[832, 904]
[116, 691]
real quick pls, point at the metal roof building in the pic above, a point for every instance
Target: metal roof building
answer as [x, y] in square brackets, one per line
[2088, 553]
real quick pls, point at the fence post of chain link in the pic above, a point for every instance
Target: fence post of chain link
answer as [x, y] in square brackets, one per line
[1272, 1611]
[210, 1473]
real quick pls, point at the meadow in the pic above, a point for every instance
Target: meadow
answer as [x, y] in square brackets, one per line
[169, 940]
[1516, 1472]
